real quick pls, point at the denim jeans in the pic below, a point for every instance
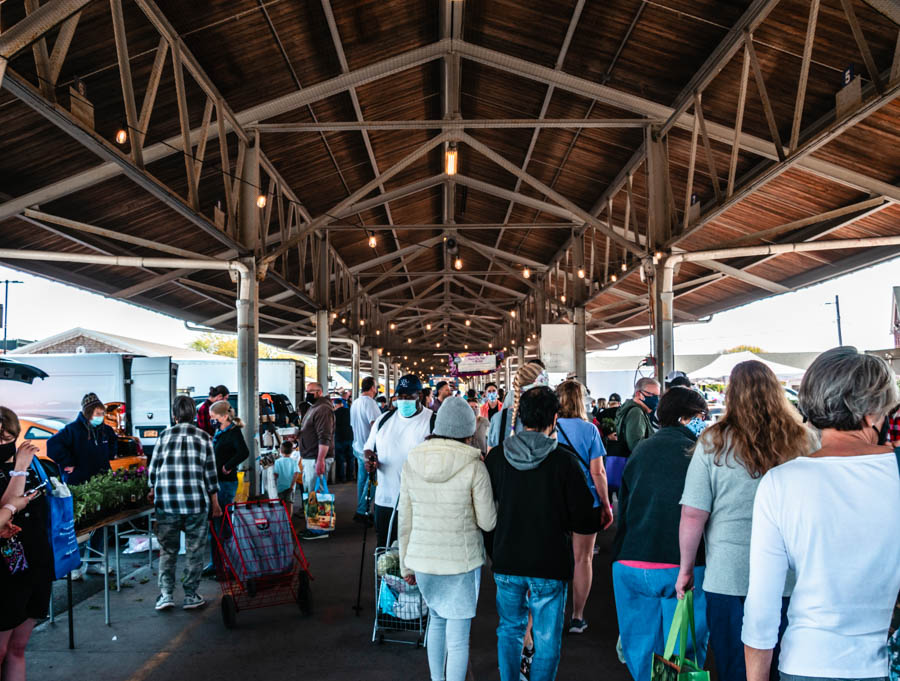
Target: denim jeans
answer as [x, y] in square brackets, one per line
[448, 641]
[225, 496]
[645, 606]
[343, 461]
[547, 603]
[169, 527]
[362, 480]
[726, 619]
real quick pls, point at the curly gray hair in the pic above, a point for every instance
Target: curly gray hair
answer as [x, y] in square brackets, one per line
[843, 385]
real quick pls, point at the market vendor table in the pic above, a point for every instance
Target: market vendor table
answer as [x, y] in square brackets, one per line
[127, 519]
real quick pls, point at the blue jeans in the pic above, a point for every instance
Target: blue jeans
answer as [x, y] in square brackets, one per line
[645, 606]
[726, 619]
[225, 496]
[547, 603]
[448, 641]
[362, 479]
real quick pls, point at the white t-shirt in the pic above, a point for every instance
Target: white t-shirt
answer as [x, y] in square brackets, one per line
[363, 411]
[393, 444]
[836, 522]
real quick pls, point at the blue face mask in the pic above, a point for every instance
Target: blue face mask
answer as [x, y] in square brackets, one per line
[407, 408]
[491, 396]
[651, 401]
[97, 421]
[696, 425]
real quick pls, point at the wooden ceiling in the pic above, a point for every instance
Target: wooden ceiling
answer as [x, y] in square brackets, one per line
[282, 61]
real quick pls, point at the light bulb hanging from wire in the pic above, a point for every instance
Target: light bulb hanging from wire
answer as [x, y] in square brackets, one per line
[458, 263]
[581, 273]
[526, 273]
[121, 136]
[261, 200]
[624, 267]
[451, 159]
[468, 322]
[372, 241]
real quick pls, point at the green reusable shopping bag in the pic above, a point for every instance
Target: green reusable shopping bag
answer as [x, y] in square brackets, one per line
[668, 667]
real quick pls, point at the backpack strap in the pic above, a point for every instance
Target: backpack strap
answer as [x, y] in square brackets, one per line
[433, 419]
[503, 415]
[381, 422]
[571, 445]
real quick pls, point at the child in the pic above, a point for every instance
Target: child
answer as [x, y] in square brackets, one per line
[286, 474]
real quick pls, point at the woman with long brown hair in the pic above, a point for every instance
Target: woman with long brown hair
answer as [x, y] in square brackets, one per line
[759, 430]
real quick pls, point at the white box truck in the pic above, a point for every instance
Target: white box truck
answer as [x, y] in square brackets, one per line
[284, 376]
[146, 385]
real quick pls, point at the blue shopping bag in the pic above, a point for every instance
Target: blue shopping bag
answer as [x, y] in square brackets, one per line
[60, 524]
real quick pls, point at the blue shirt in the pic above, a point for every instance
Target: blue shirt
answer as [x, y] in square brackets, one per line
[587, 444]
[285, 467]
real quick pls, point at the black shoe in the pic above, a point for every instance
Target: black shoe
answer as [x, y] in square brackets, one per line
[577, 626]
[525, 665]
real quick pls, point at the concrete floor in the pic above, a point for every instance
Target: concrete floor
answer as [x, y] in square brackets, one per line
[278, 643]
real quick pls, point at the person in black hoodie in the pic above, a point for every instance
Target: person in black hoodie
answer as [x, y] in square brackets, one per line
[646, 553]
[541, 499]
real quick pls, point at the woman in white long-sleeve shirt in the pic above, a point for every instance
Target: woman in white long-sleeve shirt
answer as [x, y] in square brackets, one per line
[834, 518]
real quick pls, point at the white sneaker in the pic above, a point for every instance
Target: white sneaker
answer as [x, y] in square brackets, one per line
[97, 569]
[77, 574]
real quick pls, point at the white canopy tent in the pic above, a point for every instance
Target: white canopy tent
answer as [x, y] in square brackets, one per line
[720, 368]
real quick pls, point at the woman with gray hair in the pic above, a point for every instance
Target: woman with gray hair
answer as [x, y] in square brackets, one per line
[833, 518]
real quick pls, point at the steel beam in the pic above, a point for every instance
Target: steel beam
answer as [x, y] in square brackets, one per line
[460, 124]
[35, 25]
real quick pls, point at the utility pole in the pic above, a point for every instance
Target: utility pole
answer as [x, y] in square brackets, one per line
[837, 312]
[6, 283]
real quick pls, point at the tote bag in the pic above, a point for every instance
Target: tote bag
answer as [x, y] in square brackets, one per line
[60, 524]
[319, 506]
[668, 667]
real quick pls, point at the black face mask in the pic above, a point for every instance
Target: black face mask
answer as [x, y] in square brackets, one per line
[310, 397]
[7, 451]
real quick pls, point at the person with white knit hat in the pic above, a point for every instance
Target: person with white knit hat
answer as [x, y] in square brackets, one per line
[445, 503]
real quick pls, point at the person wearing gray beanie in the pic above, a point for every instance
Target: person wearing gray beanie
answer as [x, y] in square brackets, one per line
[455, 419]
[445, 503]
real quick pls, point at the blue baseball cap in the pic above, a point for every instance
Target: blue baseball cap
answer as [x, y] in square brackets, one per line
[409, 385]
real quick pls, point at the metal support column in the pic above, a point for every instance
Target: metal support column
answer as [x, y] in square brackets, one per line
[248, 314]
[507, 373]
[376, 366]
[354, 370]
[322, 331]
[580, 350]
[659, 228]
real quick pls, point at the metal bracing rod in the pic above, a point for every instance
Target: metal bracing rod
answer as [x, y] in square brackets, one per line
[461, 124]
[490, 284]
[402, 287]
[331, 215]
[550, 193]
[467, 227]
[498, 253]
[393, 194]
[402, 253]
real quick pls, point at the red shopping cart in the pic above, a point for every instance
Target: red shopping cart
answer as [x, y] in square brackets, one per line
[259, 561]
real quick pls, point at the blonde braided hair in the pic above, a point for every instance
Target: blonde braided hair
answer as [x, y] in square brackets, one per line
[525, 375]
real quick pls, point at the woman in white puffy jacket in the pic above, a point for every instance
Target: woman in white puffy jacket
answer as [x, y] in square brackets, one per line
[445, 502]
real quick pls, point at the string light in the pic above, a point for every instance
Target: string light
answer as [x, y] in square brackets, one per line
[121, 136]
[512, 313]
[465, 347]
[490, 345]
[343, 320]
[393, 326]
[526, 273]
[624, 267]
[409, 340]
[405, 358]
[261, 200]
[658, 255]
[562, 298]
[437, 345]
[458, 263]
[451, 159]
[613, 277]
[581, 273]
[428, 327]
[468, 322]
[372, 241]
[377, 332]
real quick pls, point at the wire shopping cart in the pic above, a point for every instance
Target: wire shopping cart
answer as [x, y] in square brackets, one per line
[259, 560]
[400, 609]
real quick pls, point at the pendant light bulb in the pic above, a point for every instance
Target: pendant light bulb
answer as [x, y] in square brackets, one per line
[613, 277]
[458, 264]
[468, 322]
[372, 241]
[428, 327]
[581, 273]
[451, 159]
[512, 313]
[624, 267]
[526, 273]
[562, 298]
[393, 326]
[261, 200]
[121, 136]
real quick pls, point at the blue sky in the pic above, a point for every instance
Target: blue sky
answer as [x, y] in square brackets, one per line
[798, 321]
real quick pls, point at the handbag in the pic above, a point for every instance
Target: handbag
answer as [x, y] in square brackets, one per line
[668, 667]
[60, 524]
[319, 507]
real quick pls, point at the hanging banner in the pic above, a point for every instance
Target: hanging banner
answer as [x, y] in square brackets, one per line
[474, 363]
[558, 347]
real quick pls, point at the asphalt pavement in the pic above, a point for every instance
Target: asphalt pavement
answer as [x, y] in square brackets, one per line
[333, 643]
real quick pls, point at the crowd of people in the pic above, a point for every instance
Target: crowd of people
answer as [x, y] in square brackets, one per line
[782, 520]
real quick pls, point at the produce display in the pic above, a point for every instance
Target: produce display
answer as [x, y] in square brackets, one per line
[109, 493]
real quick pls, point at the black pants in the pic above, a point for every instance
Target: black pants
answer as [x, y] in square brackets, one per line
[382, 520]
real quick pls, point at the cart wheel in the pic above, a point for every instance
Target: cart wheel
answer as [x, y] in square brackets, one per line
[229, 612]
[380, 639]
[251, 588]
[304, 595]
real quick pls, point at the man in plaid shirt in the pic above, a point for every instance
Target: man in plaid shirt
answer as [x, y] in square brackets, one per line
[183, 487]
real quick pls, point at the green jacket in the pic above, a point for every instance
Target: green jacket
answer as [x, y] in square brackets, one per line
[633, 424]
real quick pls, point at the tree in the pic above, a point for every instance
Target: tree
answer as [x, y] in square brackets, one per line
[226, 346]
[743, 348]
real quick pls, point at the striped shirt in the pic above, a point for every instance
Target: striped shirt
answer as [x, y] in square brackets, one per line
[182, 470]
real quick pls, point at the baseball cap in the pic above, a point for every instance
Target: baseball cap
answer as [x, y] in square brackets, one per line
[672, 375]
[409, 384]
